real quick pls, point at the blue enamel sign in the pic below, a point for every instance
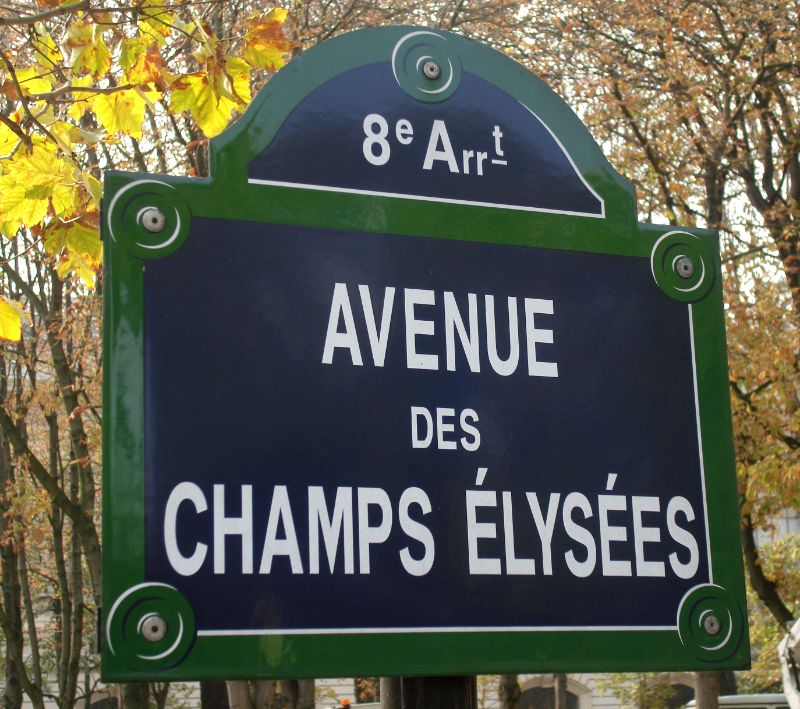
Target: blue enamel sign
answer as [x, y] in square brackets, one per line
[382, 419]
[405, 388]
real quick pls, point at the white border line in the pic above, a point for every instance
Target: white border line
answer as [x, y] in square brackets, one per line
[700, 443]
[571, 162]
[422, 198]
[376, 631]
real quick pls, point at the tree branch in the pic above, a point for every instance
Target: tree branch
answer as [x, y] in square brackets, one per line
[44, 15]
[69, 88]
[766, 589]
[15, 128]
[13, 74]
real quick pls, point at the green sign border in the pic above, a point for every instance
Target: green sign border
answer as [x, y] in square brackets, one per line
[227, 195]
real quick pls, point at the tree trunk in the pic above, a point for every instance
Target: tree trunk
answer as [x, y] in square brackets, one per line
[17, 680]
[160, 693]
[509, 692]
[264, 694]
[239, 695]
[305, 694]
[766, 590]
[10, 609]
[560, 686]
[299, 693]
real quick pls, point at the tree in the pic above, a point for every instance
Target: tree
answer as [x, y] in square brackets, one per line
[697, 103]
[132, 86]
[642, 690]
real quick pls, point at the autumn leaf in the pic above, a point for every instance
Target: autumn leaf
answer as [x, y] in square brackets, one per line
[46, 50]
[155, 23]
[81, 103]
[93, 187]
[21, 205]
[85, 50]
[11, 315]
[33, 182]
[265, 44]
[212, 95]
[143, 63]
[70, 135]
[33, 81]
[120, 111]
[8, 139]
[78, 248]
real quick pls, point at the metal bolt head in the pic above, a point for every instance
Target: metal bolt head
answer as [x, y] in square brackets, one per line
[153, 219]
[711, 624]
[153, 627]
[431, 70]
[684, 266]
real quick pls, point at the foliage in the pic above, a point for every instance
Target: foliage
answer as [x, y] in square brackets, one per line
[697, 103]
[80, 86]
[640, 690]
[781, 559]
[129, 86]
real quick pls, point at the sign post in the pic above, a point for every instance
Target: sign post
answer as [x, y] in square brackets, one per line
[404, 388]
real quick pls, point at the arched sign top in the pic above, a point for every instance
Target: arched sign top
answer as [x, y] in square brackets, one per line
[426, 115]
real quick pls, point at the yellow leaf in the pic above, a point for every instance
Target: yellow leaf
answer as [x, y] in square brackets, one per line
[31, 81]
[78, 248]
[121, 111]
[211, 96]
[84, 239]
[94, 187]
[42, 166]
[8, 139]
[11, 315]
[129, 50]
[265, 44]
[278, 14]
[143, 63]
[80, 101]
[21, 205]
[46, 50]
[66, 199]
[194, 93]
[85, 50]
[155, 22]
[75, 264]
[65, 133]
[33, 182]
[233, 81]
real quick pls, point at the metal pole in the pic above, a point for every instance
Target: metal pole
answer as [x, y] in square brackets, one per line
[390, 693]
[438, 692]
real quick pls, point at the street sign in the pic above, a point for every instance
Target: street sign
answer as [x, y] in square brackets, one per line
[404, 388]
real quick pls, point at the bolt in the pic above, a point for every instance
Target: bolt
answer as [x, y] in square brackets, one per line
[431, 70]
[711, 624]
[684, 267]
[153, 627]
[153, 219]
